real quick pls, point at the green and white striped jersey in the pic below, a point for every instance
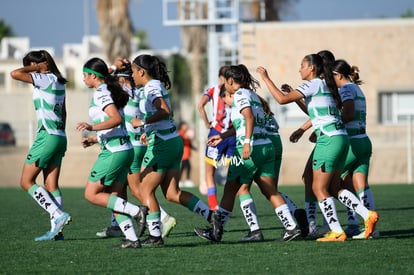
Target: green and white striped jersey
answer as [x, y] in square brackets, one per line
[49, 99]
[321, 107]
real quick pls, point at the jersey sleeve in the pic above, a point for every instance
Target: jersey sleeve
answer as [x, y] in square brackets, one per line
[347, 93]
[241, 101]
[41, 81]
[308, 88]
[103, 99]
[209, 92]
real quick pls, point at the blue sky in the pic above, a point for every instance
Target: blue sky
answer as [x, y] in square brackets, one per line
[55, 22]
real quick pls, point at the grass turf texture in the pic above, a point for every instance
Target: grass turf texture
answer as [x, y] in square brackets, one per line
[184, 253]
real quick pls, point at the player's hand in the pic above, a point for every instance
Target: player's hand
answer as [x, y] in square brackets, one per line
[313, 137]
[296, 135]
[246, 151]
[214, 140]
[286, 88]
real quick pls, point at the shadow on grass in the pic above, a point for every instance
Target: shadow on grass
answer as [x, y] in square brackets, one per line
[398, 234]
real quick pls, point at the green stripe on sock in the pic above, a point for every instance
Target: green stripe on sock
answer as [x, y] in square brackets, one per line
[121, 218]
[56, 193]
[244, 197]
[32, 189]
[111, 202]
[154, 216]
[362, 190]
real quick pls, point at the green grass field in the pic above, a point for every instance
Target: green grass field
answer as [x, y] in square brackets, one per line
[184, 253]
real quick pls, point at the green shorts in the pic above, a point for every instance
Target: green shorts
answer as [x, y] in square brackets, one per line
[139, 152]
[47, 150]
[111, 167]
[330, 153]
[162, 154]
[260, 164]
[358, 157]
[277, 144]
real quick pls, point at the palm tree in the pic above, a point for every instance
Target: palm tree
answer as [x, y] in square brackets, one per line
[115, 27]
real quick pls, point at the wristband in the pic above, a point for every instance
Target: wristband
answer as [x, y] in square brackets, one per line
[113, 67]
[246, 141]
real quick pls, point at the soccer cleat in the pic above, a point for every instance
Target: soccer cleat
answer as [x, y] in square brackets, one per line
[109, 232]
[216, 225]
[289, 235]
[352, 230]
[141, 219]
[361, 236]
[152, 241]
[60, 223]
[333, 237]
[318, 233]
[370, 223]
[128, 244]
[48, 236]
[255, 236]
[206, 234]
[59, 237]
[302, 221]
[167, 225]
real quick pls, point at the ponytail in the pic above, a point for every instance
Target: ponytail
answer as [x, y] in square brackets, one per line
[99, 68]
[154, 67]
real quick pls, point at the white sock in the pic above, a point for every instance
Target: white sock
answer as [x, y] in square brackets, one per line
[249, 211]
[328, 210]
[283, 213]
[154, 224]
[164, 214]
[58, 199]
[42, 197]
[120, 205]
[367, 198]
[127, 227]
[348, 199]
[292, 206]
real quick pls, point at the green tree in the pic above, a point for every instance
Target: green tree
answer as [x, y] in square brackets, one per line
[407, 14]
[180, 77]
[5, 29]
[143, 44]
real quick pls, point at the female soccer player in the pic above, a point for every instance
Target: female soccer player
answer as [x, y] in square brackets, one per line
[254, 152]
[122, 70]
[220, 123]
[50, 144]
[107, 179]
[161, 164]
[323, 103]
[355, 172]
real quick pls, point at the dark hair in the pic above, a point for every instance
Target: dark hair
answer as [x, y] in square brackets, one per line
[119, 96]
[325, 69]
[222, 70]
[241, 75]
[342, 67]
[327, 56]
[154, 67]
[126, 72]
[42, 56]
[266, 107]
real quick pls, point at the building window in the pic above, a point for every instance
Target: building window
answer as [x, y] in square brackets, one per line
[396, 107]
